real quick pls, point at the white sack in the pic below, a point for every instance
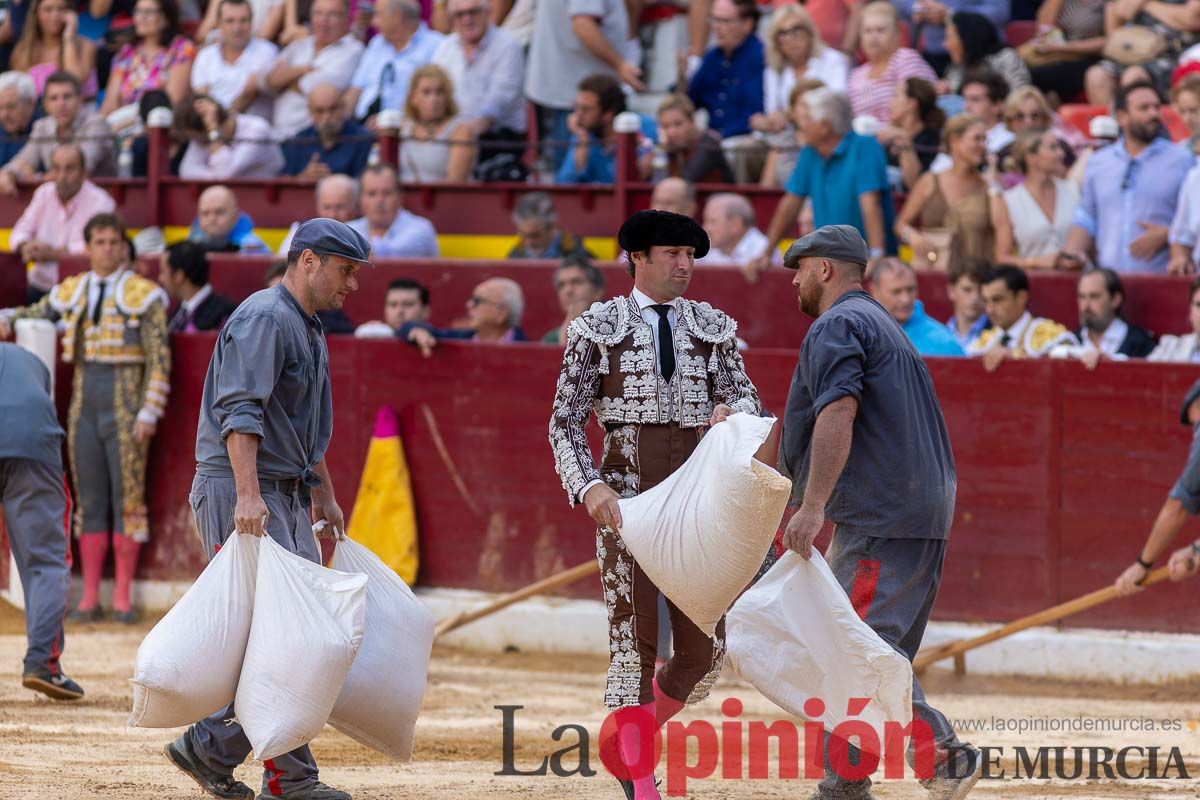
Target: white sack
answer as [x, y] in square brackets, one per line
[702, 533]
[187, 667]
[794, 635]
[308, 624]
[381, 698]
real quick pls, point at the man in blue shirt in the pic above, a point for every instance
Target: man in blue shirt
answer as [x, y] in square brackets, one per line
[894, 286]
[592, 155]
[845, 175]
[403, 44]
[1130, 190]
[729, 82]
[333, 144]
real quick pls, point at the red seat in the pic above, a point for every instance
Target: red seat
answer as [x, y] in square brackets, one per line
[1019, 31]
[1175, 124]
[1080, 115]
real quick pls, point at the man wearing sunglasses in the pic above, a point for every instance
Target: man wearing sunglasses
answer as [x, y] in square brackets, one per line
[494, 312]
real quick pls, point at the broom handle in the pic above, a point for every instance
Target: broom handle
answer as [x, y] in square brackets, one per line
[544, 585]
[1052, 614]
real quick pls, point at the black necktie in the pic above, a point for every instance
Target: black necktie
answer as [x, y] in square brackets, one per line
[1005, 340]
[99, 303]
[666, 345]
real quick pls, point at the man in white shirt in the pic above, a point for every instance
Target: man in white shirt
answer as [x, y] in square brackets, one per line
[730, 224]
[393, 231]
[487, 66]
[403, 44]
[328, 56]
[228, 70]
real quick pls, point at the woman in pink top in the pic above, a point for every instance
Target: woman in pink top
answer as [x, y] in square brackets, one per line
[873, 84]
[50, 42]
[159, 57]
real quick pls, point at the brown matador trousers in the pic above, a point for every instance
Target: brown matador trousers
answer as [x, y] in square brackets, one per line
[637, 458]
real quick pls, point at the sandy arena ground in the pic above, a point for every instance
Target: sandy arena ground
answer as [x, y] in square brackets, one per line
[84, 750]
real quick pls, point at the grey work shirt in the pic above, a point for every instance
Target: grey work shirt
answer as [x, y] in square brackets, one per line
[1187, 489]
[28, 421]
[899, 481]
[269, 377]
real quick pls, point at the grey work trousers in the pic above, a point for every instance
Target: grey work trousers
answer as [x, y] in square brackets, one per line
[892, 584]
[35, 509]
[218, 740]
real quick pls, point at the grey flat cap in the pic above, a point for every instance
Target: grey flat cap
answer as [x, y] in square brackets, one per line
[837, 242]
[328, 237]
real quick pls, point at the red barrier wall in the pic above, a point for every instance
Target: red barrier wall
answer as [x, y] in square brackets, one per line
[1060, 471]
[766, 311]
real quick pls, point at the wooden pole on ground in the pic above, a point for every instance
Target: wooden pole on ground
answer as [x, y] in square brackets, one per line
[957, 648]
[544, 585]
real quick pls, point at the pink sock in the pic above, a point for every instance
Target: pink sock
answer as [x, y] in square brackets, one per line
[635, 752]
[665, 705]
[93, 549]
[125, 554]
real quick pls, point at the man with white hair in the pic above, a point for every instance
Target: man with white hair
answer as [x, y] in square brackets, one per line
[844, 174]
[18, 96]
[730, 225]
[221, 225]
[494, 310]
[329, 55]
[487, 67]
[336, 198]
[403, 44]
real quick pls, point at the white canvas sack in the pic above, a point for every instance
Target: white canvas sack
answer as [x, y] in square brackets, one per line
[702, 533]
[187, 667]
[308, 624]
[381, 698]
[794, 635]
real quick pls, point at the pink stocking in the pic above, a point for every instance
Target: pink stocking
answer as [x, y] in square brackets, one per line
[93, 549]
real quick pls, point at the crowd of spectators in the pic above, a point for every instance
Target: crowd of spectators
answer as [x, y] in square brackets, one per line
[947, 143]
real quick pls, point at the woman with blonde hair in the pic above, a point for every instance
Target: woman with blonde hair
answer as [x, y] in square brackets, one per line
[435, 144]
[1034, 217]
[1027, 108]
[795, 52]
[50, 42]
[952, 207]
[873, 85]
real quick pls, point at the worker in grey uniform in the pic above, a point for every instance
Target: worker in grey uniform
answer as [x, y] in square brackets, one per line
[1182, 502]
[265, 423]
[865, 443]
[35, 512]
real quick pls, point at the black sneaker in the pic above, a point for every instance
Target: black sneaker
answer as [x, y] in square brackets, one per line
[93, 614]
[316, 791]
[963, 770]
[225, 787]
[59, 686]
[129, 617]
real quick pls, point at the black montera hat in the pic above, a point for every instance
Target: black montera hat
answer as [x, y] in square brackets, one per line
[647, 229]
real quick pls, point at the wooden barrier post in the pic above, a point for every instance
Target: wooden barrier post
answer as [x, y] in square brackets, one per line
[628, 126]
[158, 131]
[387, 123]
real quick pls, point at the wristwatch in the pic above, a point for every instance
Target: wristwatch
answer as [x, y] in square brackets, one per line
[214, 135]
